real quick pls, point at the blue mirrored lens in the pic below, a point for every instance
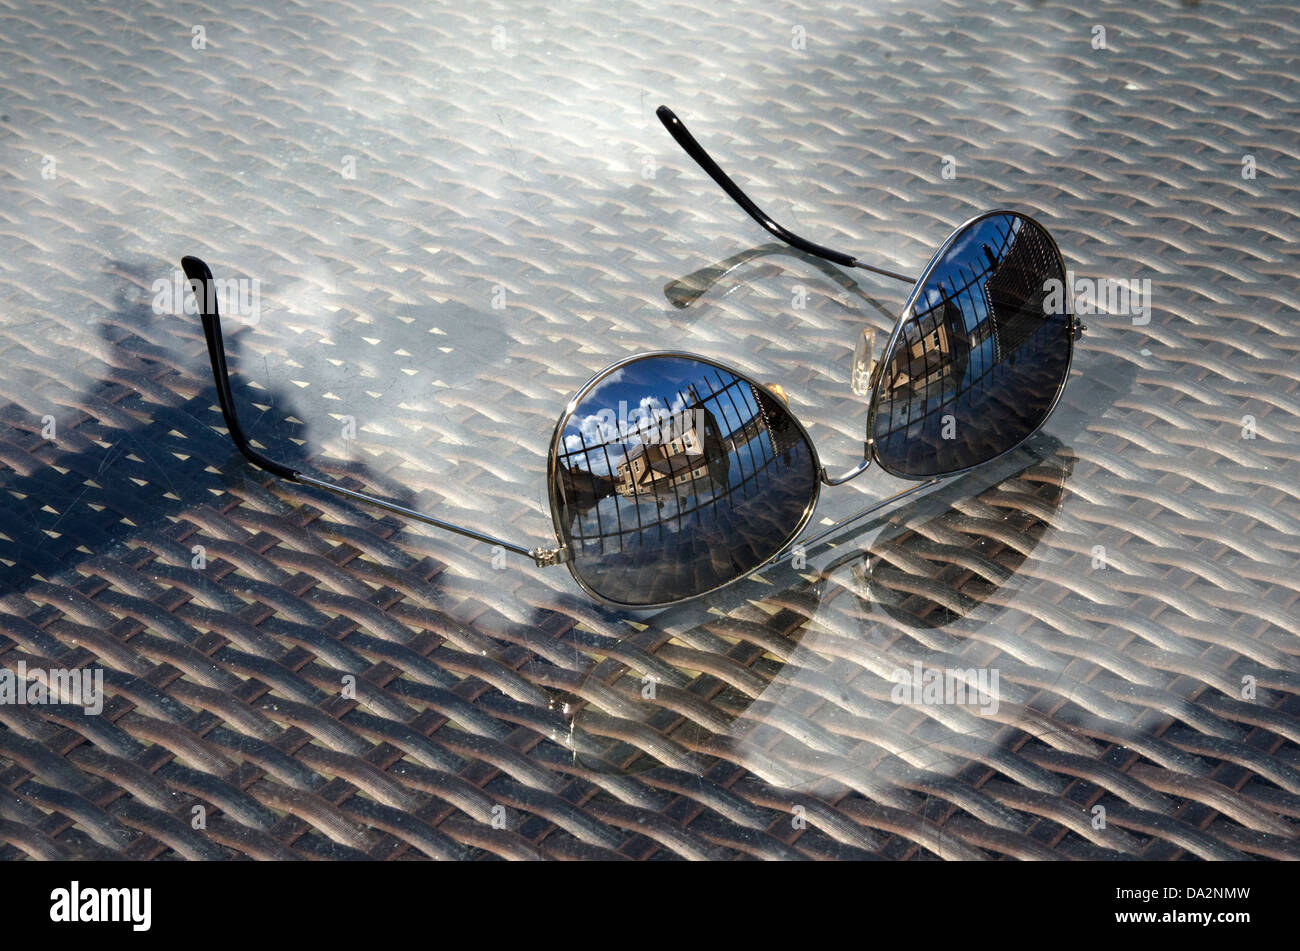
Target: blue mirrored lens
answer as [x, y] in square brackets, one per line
[674, 476]
[978, 366]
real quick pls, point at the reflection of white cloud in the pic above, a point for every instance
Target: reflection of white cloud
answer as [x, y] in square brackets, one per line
[604, 436]
[593, 453]
[599, 428]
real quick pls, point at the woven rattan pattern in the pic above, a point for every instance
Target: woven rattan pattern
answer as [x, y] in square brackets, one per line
[457, 214]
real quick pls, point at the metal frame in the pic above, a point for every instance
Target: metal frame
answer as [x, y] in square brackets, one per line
[677, 129]
[200, 277]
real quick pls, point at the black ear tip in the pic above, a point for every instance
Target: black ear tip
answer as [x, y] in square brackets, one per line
[195, 269]
[665, 115]
[200, 278]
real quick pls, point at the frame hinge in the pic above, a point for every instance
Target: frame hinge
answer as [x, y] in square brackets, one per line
[550, 557]
[1078, 328]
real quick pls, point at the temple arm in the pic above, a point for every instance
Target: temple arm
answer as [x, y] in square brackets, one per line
[205, 296]
[684, 291]
[696, 151]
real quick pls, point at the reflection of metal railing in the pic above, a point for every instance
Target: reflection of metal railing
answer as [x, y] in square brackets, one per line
[940, 359]
[737, 433]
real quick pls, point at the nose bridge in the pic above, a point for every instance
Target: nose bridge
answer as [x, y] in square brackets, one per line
[860, 382]
[861, 467]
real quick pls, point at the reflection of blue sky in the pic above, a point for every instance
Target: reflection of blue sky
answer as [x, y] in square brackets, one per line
[963, 263]
[616, 425]
[965, 258]
[651, 389]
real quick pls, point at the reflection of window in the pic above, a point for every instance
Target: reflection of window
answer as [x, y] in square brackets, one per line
[926, 358]
[938, 344]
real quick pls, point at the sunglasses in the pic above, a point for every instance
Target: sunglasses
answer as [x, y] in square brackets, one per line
[672, 475]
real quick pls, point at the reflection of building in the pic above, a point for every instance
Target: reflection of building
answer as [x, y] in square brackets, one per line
[979, 348]
[581, 488]
[723, 474]
[936, 346]
[990, 302]
[1013, 290]
[651, 466]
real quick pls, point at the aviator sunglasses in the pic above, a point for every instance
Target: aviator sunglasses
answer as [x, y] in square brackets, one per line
[672, 475]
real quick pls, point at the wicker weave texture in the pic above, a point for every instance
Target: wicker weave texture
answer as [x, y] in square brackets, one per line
[455, 215]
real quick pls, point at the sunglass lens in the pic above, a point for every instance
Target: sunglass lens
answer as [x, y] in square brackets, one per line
[674, 476]
[977, 367]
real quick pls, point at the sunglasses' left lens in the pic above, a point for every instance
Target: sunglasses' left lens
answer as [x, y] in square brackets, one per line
[674, 476]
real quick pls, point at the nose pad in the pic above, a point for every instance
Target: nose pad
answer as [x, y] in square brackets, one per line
[863, 362]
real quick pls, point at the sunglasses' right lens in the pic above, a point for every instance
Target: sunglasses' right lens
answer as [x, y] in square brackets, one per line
[674, 476]
[977, 367]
